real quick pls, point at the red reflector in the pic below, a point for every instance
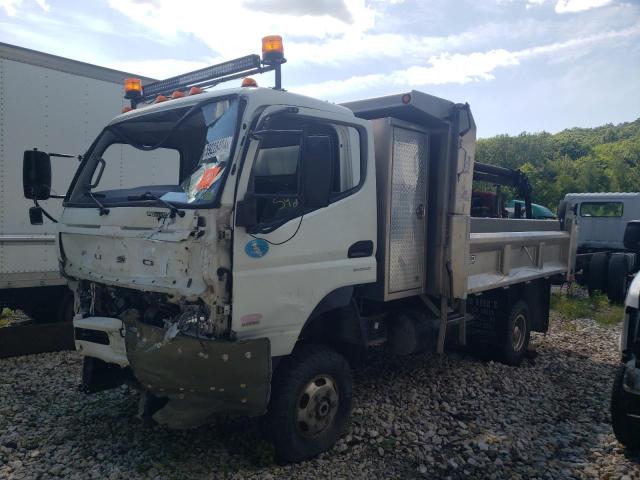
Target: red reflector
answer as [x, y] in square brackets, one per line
[406, 98]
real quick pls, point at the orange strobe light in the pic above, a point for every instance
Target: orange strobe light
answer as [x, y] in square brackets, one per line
[132, 88]
[272, 49]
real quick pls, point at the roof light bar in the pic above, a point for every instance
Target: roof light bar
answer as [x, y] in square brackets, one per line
[272, 59]
[201, 76]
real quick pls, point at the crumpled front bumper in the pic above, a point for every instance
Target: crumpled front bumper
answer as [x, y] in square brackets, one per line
[198, 377]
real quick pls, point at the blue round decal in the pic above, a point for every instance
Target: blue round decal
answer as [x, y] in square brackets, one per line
[256, 248]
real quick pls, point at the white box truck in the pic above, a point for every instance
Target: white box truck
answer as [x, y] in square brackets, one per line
[58, 105]
[292, 232]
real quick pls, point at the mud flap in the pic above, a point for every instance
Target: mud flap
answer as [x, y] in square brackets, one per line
[199, 377]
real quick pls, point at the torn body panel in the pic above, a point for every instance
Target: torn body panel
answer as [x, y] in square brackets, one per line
[199, 377]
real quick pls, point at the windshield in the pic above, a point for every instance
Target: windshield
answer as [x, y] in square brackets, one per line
[179, 155]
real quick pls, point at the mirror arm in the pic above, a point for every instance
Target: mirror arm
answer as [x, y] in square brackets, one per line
[65, 155]
[44, 212]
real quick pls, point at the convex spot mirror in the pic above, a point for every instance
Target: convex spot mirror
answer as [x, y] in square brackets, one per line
[35, 216]
[36, 175]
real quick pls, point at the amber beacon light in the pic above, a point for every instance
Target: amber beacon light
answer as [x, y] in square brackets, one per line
[132, 88]
[272, 49]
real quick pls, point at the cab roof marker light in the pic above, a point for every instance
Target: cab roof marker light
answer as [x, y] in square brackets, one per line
[249, 82]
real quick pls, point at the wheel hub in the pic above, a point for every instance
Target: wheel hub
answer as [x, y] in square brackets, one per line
[518, 332]
[317, 406]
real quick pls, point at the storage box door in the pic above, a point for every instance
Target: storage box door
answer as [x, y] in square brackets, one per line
[407, 228]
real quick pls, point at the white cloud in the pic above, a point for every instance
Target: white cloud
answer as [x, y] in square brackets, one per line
[11, 6]
[454, 68]
[231, 29]
[570, 6]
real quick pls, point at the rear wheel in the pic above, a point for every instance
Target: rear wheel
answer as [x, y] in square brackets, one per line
[516, 334]
[597, 273]
[617, 278]
[626, 430]
[310, 403]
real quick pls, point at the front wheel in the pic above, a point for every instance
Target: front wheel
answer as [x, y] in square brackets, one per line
[625, 428]
[517, 330]
[310, 403]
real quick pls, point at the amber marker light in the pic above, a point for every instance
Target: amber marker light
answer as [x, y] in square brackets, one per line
[195, 91]
[249, 82]
[177, 94]
[160, 99]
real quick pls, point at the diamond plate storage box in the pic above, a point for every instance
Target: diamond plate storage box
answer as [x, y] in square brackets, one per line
[402, 151]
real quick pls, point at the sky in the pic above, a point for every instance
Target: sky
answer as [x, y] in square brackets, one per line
[522, 65]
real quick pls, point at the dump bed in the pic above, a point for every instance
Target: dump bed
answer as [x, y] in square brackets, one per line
[427, 241]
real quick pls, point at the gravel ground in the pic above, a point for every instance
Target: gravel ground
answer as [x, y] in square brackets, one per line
[419, 417]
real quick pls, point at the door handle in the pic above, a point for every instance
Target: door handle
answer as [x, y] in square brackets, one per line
[420, 211]
[363, 248]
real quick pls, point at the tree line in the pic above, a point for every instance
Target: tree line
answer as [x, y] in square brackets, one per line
[601, 159]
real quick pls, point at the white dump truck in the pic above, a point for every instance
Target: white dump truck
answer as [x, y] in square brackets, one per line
[59, 105]
[292, 231]
[607, 254]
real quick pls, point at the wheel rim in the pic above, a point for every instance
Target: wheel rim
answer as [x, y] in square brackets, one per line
[518, 332]
[317, 406]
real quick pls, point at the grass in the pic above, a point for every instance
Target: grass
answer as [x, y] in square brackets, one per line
[5, 317]
[571, 305]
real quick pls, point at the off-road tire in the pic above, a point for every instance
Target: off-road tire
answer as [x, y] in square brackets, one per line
[597, 273]
[617, 278]
[516, 340]
[291, 378]
[626, 430]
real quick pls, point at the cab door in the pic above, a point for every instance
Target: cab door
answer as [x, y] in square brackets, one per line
[305, 221]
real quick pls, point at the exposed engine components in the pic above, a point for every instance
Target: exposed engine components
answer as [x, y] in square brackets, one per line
[156, 309]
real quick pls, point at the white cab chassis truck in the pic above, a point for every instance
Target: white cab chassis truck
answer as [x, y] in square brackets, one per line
[607, 244]
[58, 105]
[294, 231]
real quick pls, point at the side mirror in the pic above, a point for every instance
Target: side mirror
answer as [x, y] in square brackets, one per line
[36, 175]
[35, 216]
[317, 161]
[247, 212]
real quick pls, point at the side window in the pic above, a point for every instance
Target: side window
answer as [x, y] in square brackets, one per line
[601, 209]
[276, 177]
[277, 174]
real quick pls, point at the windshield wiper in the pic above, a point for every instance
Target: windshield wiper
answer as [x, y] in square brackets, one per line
[150, 196]
[103, 210]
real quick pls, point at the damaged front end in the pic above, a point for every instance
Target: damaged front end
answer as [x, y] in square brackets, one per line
[171, 350]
